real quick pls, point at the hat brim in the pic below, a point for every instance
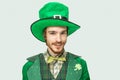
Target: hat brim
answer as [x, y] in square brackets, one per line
[38, 27]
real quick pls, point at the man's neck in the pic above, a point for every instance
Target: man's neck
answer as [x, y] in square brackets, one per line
[54, 54]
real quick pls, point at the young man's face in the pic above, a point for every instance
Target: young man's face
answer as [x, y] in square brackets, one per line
[56, 38]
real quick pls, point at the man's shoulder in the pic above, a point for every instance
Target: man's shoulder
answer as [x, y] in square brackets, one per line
[77, 57]
[34, 57]
[73, 55]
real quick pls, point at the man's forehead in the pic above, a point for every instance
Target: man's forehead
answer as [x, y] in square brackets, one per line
[56, 28]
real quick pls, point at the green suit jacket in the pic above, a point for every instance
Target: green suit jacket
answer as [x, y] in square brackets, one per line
[77, 69]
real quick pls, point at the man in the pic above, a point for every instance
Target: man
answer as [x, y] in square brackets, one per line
[53, 28]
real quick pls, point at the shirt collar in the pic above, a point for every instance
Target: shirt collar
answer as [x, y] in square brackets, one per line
[46, 54]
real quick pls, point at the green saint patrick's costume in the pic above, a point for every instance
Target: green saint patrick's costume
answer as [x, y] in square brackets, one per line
[33, 70]
[74, 68]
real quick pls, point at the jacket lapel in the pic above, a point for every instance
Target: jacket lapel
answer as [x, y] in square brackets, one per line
[74, 70]
[34, 71]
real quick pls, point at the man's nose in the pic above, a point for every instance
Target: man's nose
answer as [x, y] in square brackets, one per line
[58, 38]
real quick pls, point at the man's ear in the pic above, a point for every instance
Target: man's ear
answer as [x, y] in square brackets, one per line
[67, 30]
[44, 34]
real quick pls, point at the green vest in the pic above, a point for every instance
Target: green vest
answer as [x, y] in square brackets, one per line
[76, 69]
[46, 74]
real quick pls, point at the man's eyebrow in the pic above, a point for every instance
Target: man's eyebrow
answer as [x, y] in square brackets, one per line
[51, 31]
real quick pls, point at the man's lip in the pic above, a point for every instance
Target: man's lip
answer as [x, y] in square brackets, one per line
[58, 44]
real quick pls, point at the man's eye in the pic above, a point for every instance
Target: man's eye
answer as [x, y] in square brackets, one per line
[52, 33]
[64, 33]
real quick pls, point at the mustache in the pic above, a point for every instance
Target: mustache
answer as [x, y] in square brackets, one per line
[57, 43]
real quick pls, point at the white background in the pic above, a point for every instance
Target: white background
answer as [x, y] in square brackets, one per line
[98, 40]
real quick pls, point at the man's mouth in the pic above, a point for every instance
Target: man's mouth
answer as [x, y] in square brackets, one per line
[58, 44]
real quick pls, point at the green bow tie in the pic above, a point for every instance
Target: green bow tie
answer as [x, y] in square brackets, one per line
[51, 59]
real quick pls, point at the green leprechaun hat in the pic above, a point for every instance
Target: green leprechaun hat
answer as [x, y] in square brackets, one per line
[52, 14]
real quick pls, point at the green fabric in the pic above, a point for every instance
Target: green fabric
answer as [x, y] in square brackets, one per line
[85, 73]
[53, 8]
[46, 74]
[47, 13]
[25, 69]
[34, 71]
[72, 74]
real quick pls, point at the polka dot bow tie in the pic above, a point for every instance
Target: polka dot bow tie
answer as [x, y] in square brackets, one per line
[51, 59]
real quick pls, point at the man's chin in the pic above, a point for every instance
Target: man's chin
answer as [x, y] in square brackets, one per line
[58, 51]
